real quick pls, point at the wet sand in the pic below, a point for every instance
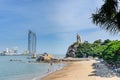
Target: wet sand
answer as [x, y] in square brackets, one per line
[82, 70]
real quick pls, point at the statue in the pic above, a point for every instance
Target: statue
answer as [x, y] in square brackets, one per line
[78, 39]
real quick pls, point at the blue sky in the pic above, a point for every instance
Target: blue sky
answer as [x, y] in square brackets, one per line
[56, 23]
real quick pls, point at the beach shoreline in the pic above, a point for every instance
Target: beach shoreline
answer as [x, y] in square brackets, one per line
[55, 67]
[52, 72]
[79, 70]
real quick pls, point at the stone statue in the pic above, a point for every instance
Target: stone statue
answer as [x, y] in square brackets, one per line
[78, 39]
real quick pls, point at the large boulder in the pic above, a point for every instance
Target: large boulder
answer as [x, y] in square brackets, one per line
[71, 52]
[45, 57]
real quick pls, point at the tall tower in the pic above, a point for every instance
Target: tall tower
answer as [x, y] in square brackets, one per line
[32, 43]
[29, 41]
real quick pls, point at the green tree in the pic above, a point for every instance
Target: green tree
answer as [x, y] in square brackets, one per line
[108, 16]
[106, 42]
[108, 50]
[99, 41]
[98, 48]
[84, 50]
[111, 53]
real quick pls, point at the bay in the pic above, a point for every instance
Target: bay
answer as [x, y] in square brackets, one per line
[20, 68]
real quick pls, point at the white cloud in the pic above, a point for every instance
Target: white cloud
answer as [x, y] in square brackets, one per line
[72, 15]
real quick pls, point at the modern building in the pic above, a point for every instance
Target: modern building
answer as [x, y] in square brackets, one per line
[32, 43]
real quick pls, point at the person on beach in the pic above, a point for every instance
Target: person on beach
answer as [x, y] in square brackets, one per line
[49, 68]
[51, 63]
[60, 64]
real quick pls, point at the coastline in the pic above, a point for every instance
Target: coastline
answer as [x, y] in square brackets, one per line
[80, 70]
[55, 67]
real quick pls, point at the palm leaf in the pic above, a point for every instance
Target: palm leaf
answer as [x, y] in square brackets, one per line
[108, 16]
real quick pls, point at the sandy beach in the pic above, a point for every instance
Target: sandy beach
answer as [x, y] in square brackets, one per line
[82, 70]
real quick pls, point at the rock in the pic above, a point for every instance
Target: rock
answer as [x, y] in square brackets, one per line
[71, 52]
[45, 57]
[72, 49]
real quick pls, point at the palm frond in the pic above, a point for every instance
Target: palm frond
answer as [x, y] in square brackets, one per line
[108, 17]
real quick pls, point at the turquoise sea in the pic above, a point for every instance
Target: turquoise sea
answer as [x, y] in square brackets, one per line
[21, 69]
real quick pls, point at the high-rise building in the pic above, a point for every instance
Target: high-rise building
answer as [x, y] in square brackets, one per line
[7, 50]
[32, 43]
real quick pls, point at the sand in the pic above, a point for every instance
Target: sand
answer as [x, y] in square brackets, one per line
[81, 70]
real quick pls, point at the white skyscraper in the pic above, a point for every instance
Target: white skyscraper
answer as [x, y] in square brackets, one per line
[7, 50]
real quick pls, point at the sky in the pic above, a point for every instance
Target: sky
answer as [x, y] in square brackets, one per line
[55, 22]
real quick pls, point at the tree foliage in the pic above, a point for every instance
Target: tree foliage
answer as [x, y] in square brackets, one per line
[84, 50]
[108, 50]
[111, 53]
[108, 16]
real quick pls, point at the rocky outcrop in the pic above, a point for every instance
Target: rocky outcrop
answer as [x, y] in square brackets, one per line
[48, 58]
[71, 52]
[72, 49]
[45, 57]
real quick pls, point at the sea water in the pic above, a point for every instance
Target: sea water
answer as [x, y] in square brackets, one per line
[23, 68]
